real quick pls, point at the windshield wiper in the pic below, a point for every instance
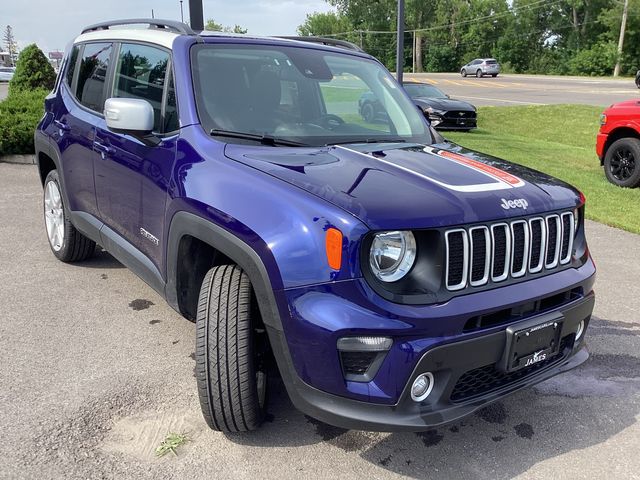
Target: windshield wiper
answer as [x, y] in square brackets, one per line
[262, 138]
[370, 140]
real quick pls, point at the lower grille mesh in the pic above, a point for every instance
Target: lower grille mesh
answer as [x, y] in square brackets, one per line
[483, 380]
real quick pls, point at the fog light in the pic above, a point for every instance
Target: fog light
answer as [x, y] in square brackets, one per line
[422, 386]
[580, 330]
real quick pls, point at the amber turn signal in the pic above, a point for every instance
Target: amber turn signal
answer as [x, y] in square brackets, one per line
[333, 244]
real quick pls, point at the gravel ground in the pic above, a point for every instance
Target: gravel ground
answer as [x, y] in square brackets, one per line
[96, 369]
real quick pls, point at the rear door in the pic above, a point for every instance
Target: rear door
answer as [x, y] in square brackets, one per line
[131, 177]
[76, 113]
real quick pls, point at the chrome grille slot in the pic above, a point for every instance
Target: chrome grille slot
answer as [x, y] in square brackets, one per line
[567, 238]
[480, 258]
[457, 262]
[501, 252]
[496, 252]
[538, 245]
[520, 247]
[553, 241]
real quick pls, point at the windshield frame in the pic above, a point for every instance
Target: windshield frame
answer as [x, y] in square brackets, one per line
[424, 134]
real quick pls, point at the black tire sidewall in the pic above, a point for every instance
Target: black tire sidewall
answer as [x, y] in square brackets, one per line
[632, 144]
[220, 410]
[479, 74]
[463, 72]
[368, 113]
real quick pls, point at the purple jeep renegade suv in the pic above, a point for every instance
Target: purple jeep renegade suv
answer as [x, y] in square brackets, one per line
[395, 280]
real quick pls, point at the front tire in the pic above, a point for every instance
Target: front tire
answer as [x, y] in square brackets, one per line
[67, 243]
[622, 162]
[368, 112]
[230, 352]
[463, 73]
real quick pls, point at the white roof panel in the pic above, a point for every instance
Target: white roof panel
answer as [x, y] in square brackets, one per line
[158, 37]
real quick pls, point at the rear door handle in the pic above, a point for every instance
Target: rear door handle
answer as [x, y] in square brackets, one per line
[61, 125]
[104, 149]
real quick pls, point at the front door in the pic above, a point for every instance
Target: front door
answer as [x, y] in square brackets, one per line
[131, 176]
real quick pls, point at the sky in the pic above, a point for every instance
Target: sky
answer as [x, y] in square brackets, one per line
[51, 25]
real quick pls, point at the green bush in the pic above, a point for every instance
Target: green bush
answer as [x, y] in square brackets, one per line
[33, 70]
[19, 116]
[598, 60]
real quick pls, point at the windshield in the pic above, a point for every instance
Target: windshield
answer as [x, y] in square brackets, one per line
[423, 90]
[303, 95]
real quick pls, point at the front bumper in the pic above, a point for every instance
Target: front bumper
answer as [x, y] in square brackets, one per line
[448, 363]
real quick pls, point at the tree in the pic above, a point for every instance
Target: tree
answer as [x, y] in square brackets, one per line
[318, 24]
[213, 26]
[33, 70]
[10, 44]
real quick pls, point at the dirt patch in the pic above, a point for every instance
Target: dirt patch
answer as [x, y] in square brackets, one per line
[139, 435]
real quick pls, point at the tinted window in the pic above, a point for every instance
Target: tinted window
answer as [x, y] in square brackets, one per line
[92, 76]
[302, 95]
[141, 74]
[71, 65]
[170, 109]
[491, 62]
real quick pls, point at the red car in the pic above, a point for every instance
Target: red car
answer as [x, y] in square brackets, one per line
[618, 143]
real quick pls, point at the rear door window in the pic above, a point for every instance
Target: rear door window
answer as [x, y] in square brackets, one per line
[141, 73]
[90, 90]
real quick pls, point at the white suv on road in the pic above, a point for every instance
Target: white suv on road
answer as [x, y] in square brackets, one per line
[480, 67]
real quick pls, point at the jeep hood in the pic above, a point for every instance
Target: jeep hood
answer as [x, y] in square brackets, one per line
[399, 186]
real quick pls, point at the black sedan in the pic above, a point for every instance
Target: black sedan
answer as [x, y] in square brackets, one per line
[443, 112]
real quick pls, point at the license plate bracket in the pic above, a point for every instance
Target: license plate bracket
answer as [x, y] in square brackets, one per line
[532, 342]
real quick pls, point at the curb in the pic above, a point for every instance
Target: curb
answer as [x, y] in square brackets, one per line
[19, 159]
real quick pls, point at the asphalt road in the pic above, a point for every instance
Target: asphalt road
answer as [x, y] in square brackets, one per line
[532, 89]
[96, 369]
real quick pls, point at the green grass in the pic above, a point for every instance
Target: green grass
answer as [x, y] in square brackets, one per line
[171, 443]
[558, 140]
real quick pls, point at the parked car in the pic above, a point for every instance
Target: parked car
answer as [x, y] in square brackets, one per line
[480, 67]
[399, 281]
[638, 79]
[6, 73]
[444, 112]
[618, 143]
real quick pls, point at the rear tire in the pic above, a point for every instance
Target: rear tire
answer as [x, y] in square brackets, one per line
[479, 74]
[230, 365]
[67, 243]
[622, 162]
[494, 75]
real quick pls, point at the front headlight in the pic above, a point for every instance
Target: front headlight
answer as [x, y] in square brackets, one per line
[392, 255]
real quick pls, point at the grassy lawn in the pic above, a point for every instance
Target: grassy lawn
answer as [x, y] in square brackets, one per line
[558, 140]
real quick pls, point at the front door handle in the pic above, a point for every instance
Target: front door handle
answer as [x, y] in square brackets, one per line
[104, 149]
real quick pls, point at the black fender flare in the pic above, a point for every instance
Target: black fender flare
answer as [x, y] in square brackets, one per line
[185, 223]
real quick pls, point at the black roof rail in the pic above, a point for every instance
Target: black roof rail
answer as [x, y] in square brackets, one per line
[332, 42]
[174, 25]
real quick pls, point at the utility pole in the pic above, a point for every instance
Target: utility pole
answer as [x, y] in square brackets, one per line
[181, 12]
[400, 42]
[623, 26]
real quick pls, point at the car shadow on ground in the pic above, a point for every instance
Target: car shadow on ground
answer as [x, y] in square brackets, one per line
[101, 259]
[576, 410]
